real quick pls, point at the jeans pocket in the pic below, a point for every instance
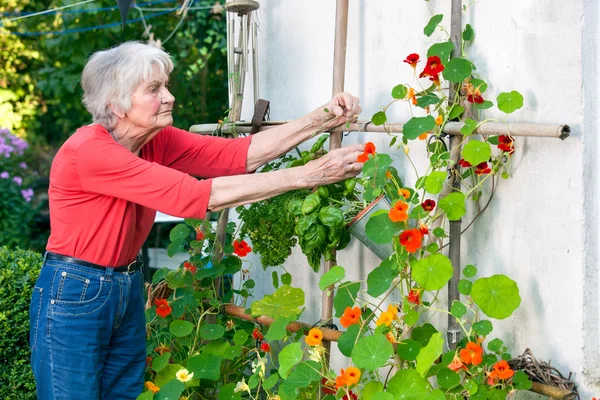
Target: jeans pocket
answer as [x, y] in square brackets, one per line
[35, 309]
[77, 292]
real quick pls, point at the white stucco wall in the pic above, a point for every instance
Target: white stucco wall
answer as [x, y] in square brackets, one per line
[542, 226]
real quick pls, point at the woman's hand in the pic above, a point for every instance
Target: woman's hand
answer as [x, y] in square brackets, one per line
[343, 107]
[335, 166]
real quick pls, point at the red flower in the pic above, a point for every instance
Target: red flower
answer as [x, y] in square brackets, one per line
[188, 266]
[412, 59]
[265, 347]
[483, 168]
[241, 248]
[411, 239]
[475, 98]
[472, 354]
[428, 205]
[352, 396]
[328, 386]
[505, 143]
[257, 335]
[199, 235]
[423, 229]
[162, 307]
[149, 361]
[464, 164]
[414, 296]
[433, 68]
[369, 149]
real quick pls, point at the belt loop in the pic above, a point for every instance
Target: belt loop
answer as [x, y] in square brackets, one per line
[45, 255]
[109, 273]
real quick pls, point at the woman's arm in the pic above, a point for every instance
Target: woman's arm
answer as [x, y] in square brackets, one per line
[272, 143]
[335, 166]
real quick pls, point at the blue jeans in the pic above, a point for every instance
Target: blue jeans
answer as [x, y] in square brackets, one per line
[88, 333]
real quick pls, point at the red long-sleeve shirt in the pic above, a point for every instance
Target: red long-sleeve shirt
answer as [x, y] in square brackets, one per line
[103, 198]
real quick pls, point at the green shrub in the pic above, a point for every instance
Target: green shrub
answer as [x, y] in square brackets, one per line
[19, 270]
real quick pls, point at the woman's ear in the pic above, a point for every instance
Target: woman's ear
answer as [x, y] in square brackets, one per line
[117, 112]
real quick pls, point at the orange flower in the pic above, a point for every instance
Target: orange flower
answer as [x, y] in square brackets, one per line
[414, 101]
[162, 307]
[411, 240]
[188, 266]
[456, 364]
[439, 120]
[411, 94]
[314, 337]
[502, 370]
[414, 296]
[351, 316]
[398, 213]
[423, 136]
[369, 150]
[404, 193]
[393, 309]
[162, 349]
[352, 376]
[151, 387]
[385, 318]
[388, 174]
[472, 354]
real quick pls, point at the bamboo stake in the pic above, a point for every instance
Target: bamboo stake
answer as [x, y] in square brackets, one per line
[453, 333]
[335, 139]
[558, 131]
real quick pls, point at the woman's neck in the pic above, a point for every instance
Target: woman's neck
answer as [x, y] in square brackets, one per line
[130, 138]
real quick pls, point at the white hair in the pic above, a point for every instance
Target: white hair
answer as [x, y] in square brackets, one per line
[111, 76]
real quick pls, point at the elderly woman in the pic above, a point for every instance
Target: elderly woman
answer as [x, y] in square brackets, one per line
[87, 313]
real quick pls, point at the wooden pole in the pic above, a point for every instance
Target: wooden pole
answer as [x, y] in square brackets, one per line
[453, 333]
[451, 128]
[335, 139]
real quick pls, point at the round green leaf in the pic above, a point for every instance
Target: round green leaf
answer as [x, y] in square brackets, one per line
[521, 381]
[437, 394]
[180, 328]
[345, 297]
[181, 231]
[212, 332]
[469, 126]
[483, 328]
[442, 50]
[286, 278]
[454, 206]
[278, 329]
[289, 356]
[434, 182]
[476, 152]
[411, 317]
[379, 118]
[457, 70]
[306, 373]
[171, 390]
[383, 396]
[484, 106]
[232, 352]
[408, 384]
[417, 126]
[285, 302]
[240, 337]
[470, 271]
[381, 229]
[271, 381]
[468, 33]
[409, 349]
[458, 309]
[370, 389]
[433, 271]
[464, 287]
[347, 340]
[495, 345]
[429, 353]
[432, 24]
[448, 378]
[372, 352]
[399, 92]
[331, 277]
[497, 296]
[205, 366]
[509, 102]
[161, 361]
[470, 386]
[380, 279]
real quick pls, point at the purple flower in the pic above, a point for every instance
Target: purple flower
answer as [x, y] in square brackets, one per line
[18, 180]
[4, 175]
[27, 194]
[23, 165]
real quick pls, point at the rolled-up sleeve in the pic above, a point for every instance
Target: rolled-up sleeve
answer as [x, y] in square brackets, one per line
[203, 156]
[108, 168]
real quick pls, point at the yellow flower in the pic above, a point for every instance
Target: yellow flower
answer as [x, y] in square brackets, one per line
[385, 318]
[314, 337]
[393, 309]
[151, 387]
[241, 387]
[184, 375]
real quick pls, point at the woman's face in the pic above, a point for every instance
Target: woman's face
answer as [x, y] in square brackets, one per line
[152, 103]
